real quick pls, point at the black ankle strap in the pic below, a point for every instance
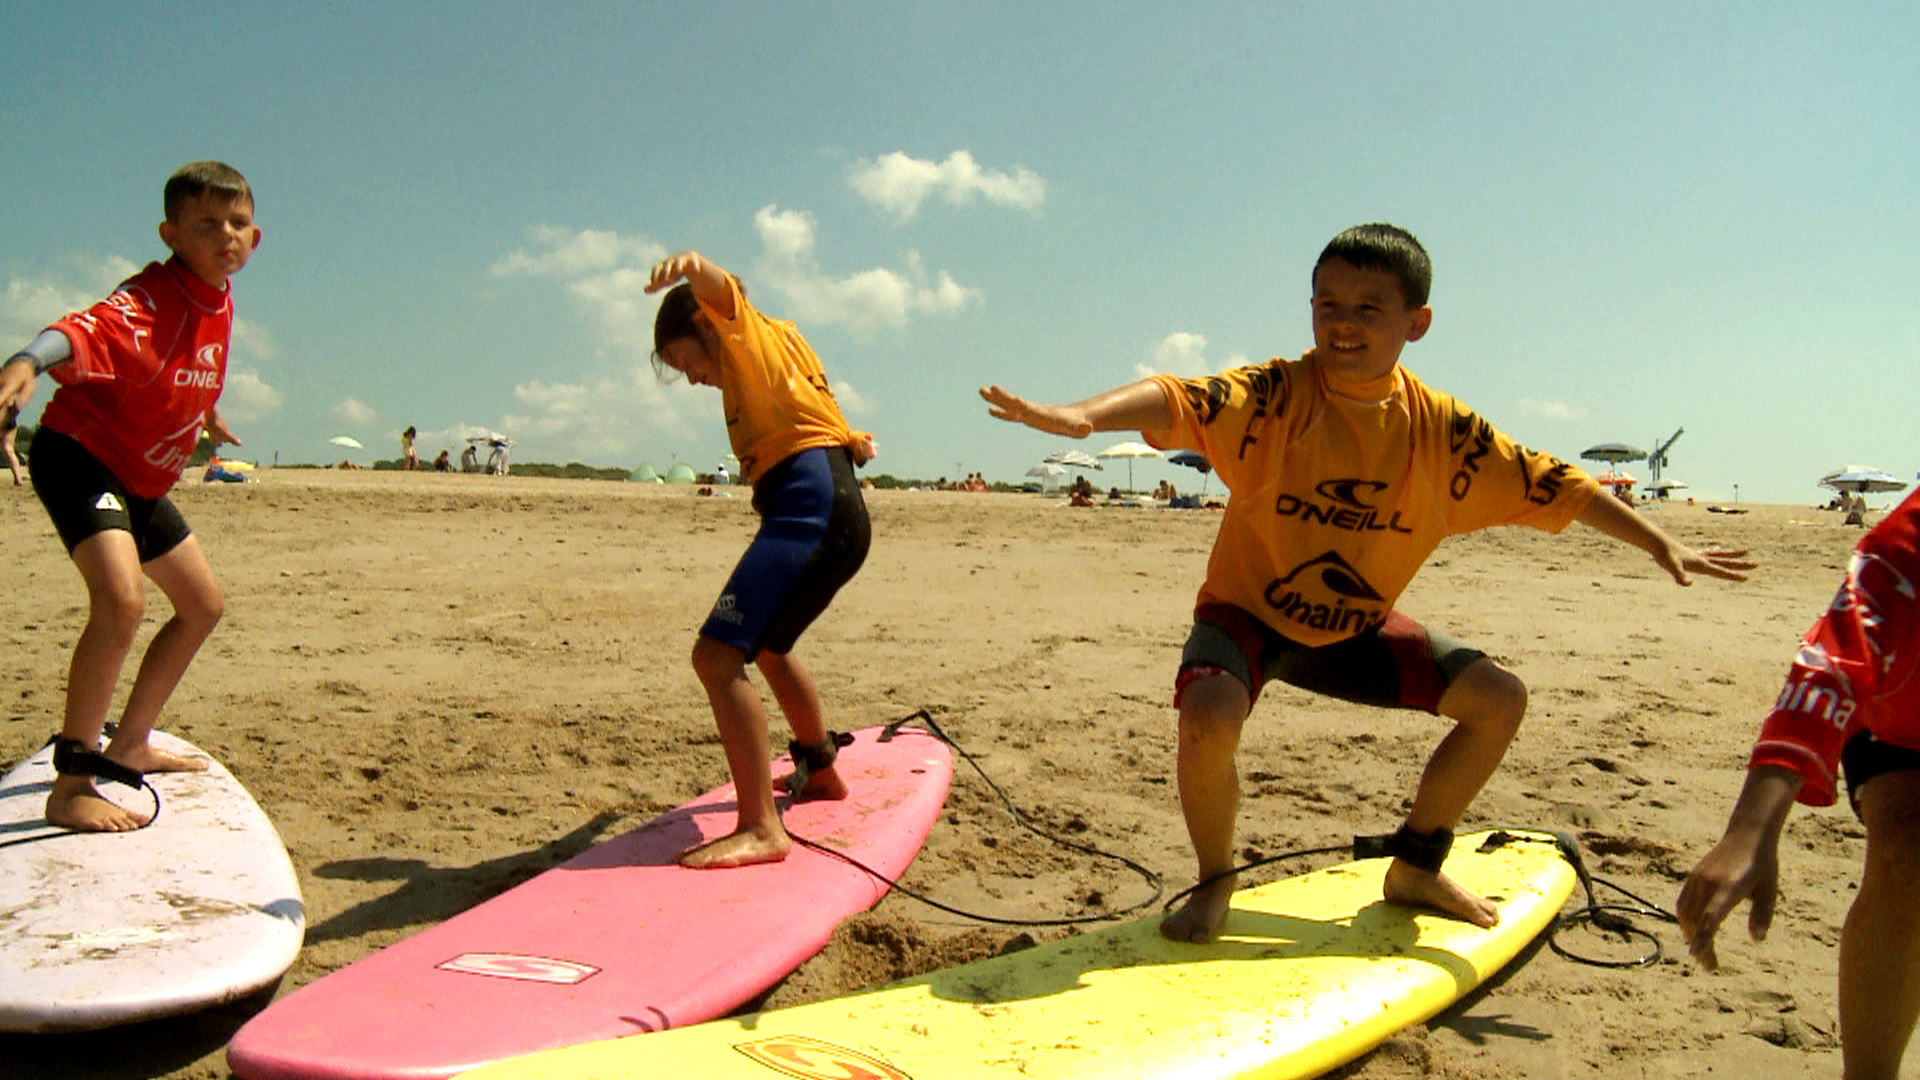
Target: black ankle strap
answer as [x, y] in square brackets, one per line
[1426, 851]
[71, 757]
[808, 760]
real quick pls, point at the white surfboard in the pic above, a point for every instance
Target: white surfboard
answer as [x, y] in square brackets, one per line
[97, 929]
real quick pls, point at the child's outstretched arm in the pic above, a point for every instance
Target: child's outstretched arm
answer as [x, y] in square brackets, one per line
[710, 282]
[1140, 406]
[1622, 522]
[1744, 865]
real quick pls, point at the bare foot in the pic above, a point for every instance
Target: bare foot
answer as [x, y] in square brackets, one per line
[736, 849]
[1198, 920]
[1412, 887]
[148, 758]
[824, 784]
[74, 804]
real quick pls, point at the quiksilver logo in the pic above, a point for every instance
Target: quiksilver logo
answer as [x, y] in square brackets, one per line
[816, 1059]
[1334, 575]
[543, 969]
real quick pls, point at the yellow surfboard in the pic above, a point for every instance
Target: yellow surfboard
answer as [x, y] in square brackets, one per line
[1308, 973]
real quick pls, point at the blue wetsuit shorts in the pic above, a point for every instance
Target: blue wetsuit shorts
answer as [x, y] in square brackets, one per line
[84, 498]
[813, 537]
[1396, 665]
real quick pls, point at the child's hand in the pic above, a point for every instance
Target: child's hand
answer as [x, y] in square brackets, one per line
[1057, 419]
[1683, 562]
[218, 432]
[16, 383]
[674, 267]
[1741, 867]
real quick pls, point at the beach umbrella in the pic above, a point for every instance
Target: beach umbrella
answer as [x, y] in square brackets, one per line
[1863, 479]
[1661, 487]
[1049, 474]
[1079, 459]
[1193, 460]
[1613, 453]
[645, 474]
[347, 441]
[680, 473]
[1129, 450]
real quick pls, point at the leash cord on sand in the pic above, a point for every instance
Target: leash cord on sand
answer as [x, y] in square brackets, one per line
[926, 719]
[1610, 918]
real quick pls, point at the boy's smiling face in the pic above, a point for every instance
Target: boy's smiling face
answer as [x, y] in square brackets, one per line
[213, 234]
[1361, 320]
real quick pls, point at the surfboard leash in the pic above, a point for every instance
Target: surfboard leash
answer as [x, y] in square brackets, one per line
[1609, 918]
[925, 719]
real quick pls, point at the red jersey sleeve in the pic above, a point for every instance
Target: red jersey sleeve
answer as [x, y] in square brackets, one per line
[1855, 669]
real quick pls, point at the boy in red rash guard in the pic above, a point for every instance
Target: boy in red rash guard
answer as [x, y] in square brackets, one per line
[139, 374]
[1852, 702]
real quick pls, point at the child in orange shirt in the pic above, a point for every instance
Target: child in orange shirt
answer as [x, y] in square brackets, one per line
[1346, 472]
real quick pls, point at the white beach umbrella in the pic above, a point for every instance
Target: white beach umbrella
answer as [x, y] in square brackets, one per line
[1079, 459]
[1862, 478]
[1129, 450]
[347, 441]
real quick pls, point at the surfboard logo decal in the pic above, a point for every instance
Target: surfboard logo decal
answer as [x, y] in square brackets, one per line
[544, 969]
[813, 1059]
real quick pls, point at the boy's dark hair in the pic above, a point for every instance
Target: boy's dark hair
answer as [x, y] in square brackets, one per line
[197, 178]
[674, 320]
[1384, 247]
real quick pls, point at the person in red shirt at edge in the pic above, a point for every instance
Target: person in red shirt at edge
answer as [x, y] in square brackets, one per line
[1346, 472]
[138, 375]
[1851, 703]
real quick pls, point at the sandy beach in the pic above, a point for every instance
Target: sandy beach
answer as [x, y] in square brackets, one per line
[439, 685]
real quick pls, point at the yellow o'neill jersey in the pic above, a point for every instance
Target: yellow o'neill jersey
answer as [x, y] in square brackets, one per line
[1340, 490]
[772, 389]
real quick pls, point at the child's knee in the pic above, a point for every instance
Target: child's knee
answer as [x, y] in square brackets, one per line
[117, 610]
[715, 661]
[1487, 695]
[1213, 707]
[1890, 807]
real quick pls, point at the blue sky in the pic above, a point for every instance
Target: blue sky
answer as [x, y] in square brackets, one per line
[1643, 216]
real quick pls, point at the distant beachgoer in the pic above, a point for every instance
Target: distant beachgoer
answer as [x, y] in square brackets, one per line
[1301, 588]
[442, 464]
[409, 460]
[497, 460]
[470, 459]
[9, 427]
[1857, 510]
[796, 449]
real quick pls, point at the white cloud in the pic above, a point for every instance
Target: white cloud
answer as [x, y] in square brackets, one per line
[247, 398]
[1184, 353]
[1552, 410]
[602, 417]
[864, 300]
[852, 402]
[899, 183]
[576, 254]
[354, 413]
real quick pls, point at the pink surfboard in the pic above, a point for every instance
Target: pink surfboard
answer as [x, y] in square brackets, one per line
[619, 940]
